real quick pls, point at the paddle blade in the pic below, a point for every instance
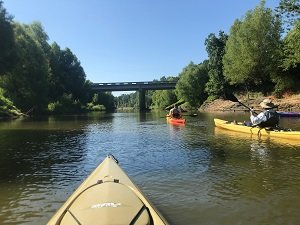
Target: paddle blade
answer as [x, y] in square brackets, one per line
[231, 97]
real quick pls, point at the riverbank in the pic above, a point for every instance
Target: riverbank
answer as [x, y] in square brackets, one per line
[289, 103]
[11, 114]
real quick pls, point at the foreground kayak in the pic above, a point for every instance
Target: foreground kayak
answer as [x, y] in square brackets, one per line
[175, 120]
[108, 196]
[240, 127]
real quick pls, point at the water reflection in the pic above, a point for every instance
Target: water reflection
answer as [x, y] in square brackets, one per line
[213, 176]
[260, 150]
[33, 157]
[258, 178]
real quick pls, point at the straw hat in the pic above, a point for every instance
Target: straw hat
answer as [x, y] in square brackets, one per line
[267, 104]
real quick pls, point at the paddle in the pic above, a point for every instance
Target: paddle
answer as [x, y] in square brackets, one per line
[231, 97]
[192, 115]
[183, 115]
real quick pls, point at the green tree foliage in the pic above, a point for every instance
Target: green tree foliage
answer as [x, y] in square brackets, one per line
[7, 106]
[215, 47]
[33, 73]
[7, 41]
[27, 84]
[104, 98]
[87, 92]
[253, 50]
[67, 76]
[127, 100]
[65, 105]
[163, 98]
[55, 78]
[292, 48]
[36, 30]
[191, 84]
[148, 98]
[289, 10]
[289, 78]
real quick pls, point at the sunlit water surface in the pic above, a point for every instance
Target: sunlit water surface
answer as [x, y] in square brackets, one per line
[194, 174]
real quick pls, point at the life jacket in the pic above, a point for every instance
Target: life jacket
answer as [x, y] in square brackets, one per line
[272, 119]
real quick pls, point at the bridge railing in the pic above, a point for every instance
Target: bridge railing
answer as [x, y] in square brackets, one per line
[134, 83]
[134, 86]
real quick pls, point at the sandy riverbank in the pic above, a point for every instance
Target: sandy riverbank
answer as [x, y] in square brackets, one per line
[287, 103]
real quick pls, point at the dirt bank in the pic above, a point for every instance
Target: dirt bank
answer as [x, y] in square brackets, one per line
[287, 103]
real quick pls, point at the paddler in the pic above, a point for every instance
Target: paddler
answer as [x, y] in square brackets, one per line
[175, 112]
[268, 117]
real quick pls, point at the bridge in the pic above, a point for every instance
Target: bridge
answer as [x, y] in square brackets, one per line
[141, 87]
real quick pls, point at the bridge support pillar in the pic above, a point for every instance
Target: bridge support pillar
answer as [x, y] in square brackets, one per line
[142, 100]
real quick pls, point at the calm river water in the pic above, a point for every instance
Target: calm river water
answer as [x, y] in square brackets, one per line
[194, 174]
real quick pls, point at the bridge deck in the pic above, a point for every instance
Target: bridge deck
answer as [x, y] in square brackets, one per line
[134, 86]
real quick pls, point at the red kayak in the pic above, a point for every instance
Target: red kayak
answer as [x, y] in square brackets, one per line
[174, 120]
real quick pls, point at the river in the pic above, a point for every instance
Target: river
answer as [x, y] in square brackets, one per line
[194, 174]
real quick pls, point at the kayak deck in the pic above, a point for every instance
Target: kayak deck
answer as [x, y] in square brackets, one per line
[108, 196]
[239, 127]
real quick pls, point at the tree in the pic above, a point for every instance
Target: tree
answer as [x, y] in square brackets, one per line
[104, 98]
[74, 75]
[26, 84]
[127, 100]
[55, 78]
[36, 30]
[163, 98]
[215, 47]
[7, 41]
[292, 48]
[289, 78]
[252, 52]
[191, 84]
[67, 76]
[289, 10]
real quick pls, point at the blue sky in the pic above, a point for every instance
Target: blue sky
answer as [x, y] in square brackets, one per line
[132, 40]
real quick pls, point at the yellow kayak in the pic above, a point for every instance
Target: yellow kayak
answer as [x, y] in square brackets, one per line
[240, 127]
[107, 196]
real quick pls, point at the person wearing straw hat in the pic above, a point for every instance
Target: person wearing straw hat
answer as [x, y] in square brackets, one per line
[268, 117]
